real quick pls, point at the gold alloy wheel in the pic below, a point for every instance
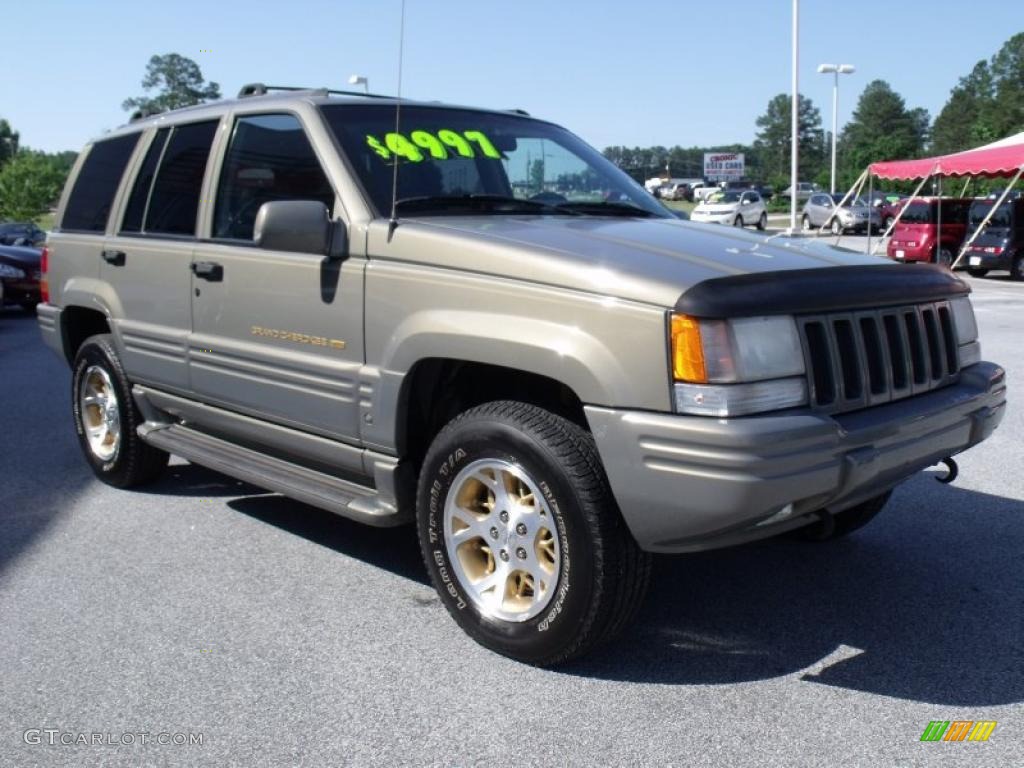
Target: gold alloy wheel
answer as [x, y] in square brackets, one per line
[501, 540]
[101, 418]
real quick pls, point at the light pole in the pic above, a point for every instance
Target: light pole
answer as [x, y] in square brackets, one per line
[360, 80]
[836, 70]
[794, 111]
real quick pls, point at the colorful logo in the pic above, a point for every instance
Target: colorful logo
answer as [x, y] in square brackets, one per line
[958, 730]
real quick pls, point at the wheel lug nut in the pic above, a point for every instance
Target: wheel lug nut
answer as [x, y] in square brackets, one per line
[521, 553]
[503, 516]
[494, 533]
[504, 555]
[521, 529]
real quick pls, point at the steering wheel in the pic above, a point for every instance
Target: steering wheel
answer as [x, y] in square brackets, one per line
[551, 198]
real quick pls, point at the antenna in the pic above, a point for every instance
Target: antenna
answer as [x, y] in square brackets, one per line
[398, 114]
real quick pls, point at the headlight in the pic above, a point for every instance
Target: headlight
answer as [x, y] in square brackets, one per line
[6, 270]
[734, 367]
[966, 331]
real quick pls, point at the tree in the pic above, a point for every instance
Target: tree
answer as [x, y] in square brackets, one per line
[965, 120]
[179, 83]
[882, 128]
[8, 142]
[537, 175]
[29, 184]
[773, 139]
[1008, 73]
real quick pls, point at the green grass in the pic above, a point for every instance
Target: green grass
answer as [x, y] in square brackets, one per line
[679, 205]
[45, 222]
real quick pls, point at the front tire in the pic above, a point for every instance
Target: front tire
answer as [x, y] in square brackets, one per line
[944, 257]
[522, 537]
[806, 223]
[106, 418]
[836, 228]
[738, 221]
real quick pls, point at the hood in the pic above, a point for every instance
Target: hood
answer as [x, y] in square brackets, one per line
[706, 207]
[20, 256]
[646, 260]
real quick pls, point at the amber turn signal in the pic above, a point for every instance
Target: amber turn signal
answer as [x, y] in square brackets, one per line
[687, 350]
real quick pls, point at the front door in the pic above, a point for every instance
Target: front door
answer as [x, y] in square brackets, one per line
[276, 335]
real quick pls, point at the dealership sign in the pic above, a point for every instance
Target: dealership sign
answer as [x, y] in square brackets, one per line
[723, 166]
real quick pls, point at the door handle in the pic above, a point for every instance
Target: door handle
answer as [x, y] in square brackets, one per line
[208, 270]
[115, 258]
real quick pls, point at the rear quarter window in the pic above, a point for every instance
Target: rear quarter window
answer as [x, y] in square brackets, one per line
[92, 196]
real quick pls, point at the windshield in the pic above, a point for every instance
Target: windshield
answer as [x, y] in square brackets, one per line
[979, 210]
[858, 202]
[917, 213]
[724, 197]
[464, 161]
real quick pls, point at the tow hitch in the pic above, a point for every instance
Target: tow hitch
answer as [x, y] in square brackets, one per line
[952, 470]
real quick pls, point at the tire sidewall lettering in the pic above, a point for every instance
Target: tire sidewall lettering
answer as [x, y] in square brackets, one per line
[443, 474]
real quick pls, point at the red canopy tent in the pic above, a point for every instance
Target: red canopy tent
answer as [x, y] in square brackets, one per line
[1003, 158]
[1000, 159]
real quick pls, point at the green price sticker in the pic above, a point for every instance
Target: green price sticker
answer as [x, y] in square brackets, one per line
[418, 145]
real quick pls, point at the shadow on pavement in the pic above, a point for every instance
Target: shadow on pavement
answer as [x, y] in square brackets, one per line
[34, 387]
[394, 549]
[926, 603]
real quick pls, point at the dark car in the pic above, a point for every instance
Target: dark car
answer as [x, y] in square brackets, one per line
[917, 237]
[21, 233]
[1001, 244]
[20, 275]
[889, 209]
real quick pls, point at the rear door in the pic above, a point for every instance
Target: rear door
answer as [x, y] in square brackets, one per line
[147, 260]
[275, 334]
[76, 244]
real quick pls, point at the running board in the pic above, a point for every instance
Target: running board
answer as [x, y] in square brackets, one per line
[293, 480]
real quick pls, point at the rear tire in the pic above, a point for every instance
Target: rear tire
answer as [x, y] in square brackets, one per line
[107, 419]
[763, 221]
[944, 257]
[977, 271]
[843, 523]
[1017, 269]
[498, 479]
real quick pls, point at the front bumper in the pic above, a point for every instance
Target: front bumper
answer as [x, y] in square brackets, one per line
[687, 483]
[714, 218]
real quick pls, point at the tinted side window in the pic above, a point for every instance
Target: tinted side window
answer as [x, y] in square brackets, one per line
[93, 194]
[174, 202]
[143, 184]
[269, 159]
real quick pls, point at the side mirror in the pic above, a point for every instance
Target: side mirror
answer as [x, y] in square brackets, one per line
[299, 226]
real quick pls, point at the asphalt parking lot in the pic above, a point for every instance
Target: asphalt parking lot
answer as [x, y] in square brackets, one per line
[284, 634]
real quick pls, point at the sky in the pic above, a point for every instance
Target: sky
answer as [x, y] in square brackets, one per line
[636, 72]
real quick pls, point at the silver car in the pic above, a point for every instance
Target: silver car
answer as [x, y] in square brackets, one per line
[822, 210]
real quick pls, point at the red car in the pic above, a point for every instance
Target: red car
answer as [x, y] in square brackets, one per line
[19, 275]
[889, 209]
[916, 237]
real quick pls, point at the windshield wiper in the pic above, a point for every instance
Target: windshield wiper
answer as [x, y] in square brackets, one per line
[481, 203]
[606, 208]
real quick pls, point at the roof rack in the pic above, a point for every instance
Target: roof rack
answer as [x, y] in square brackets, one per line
[517, 111]
[142, 114]
[261, 89]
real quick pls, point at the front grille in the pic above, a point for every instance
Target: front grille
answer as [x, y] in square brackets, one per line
[860, 359]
